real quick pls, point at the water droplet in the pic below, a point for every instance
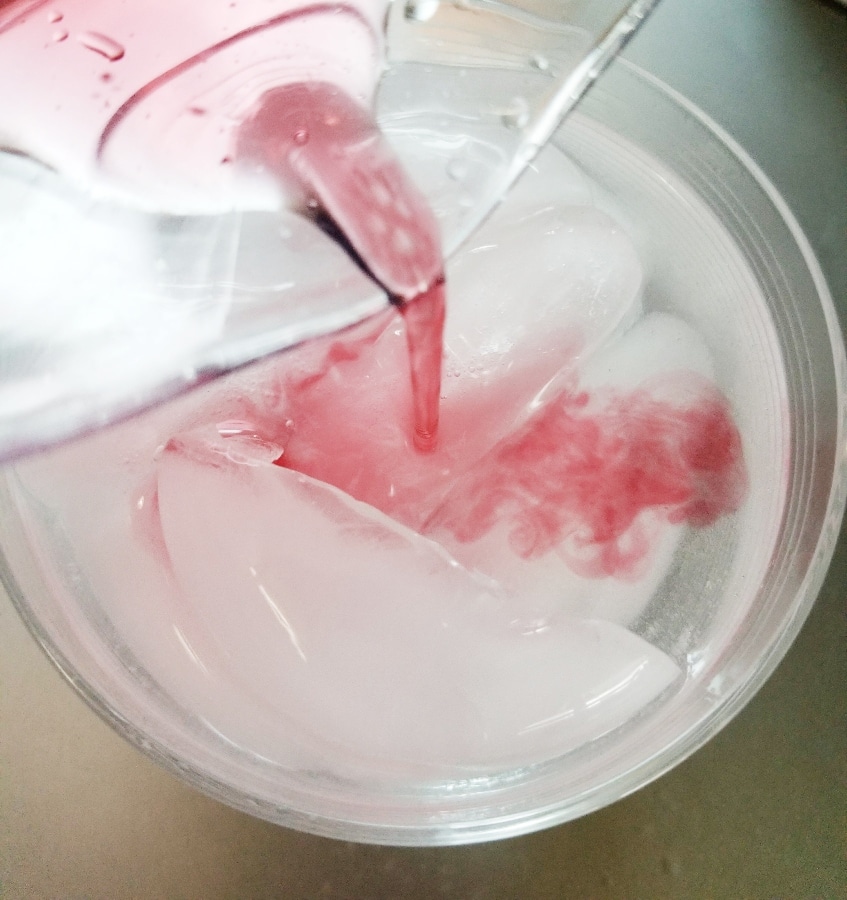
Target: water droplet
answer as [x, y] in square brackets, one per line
[535, 626]
[540, 62]
[517, 115]
[54, 16]
[244, 445]
[59, 35]
[457, 169]
[420, 10]
[301, 137]
[100, 43]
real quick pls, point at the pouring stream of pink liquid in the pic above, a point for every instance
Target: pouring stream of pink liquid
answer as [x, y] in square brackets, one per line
[571, 467]
[316, 140]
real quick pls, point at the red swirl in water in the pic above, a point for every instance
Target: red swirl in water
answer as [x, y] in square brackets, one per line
[580, 473]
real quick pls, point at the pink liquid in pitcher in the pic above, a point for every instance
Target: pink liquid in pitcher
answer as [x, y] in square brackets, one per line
[145, 98]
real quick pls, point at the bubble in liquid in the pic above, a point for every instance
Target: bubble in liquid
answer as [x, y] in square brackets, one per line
[54, 16]
[59, 35]
[457, 169]
[517, 115]
[540, 62]
[102, 44]
[420, 10]
[301, 137]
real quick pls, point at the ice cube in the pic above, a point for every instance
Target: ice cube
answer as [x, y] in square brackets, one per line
[357, 630]
[653, 349]
[584, 505]
[537, 289]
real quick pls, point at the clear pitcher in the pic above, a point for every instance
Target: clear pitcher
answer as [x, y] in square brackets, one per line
[139, 258]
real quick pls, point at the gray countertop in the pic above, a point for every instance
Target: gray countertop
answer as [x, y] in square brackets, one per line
[759, 812]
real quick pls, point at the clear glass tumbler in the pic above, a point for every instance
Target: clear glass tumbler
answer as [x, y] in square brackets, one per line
[195, 685]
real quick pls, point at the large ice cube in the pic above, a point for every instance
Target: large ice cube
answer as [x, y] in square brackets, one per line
[582, 507]
[357, 630]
